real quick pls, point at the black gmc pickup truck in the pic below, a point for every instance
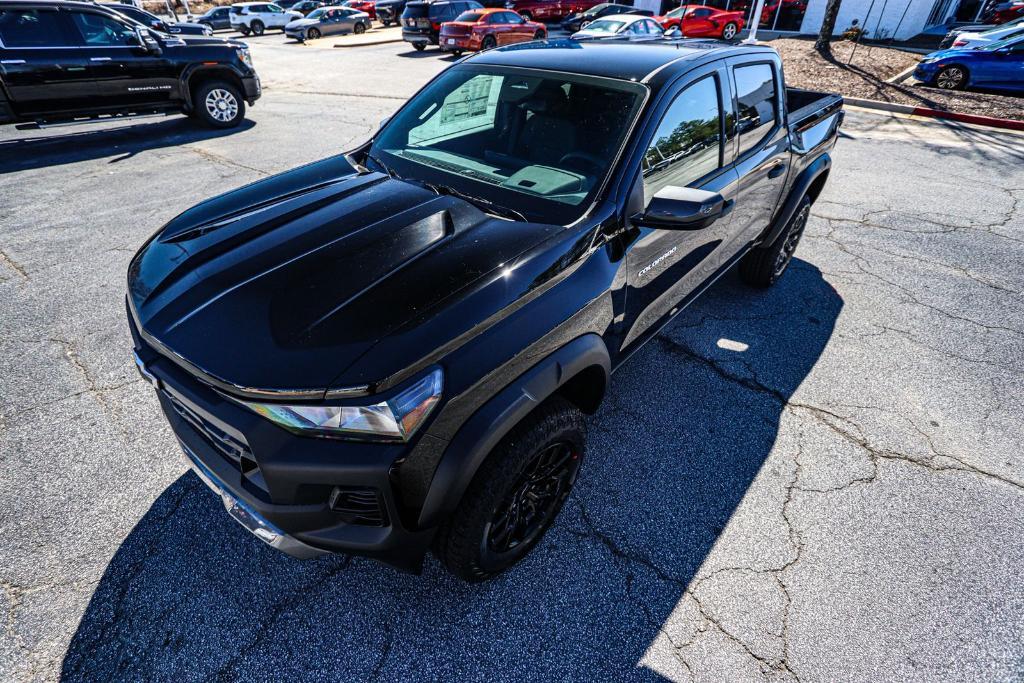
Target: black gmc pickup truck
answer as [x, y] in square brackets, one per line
[63, 61]
[392, 350]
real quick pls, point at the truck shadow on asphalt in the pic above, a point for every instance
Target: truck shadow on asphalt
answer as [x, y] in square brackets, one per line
[42, 149]
[690, 422]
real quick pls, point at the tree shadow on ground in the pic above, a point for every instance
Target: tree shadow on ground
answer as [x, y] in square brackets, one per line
[86, 143]
[190, 595]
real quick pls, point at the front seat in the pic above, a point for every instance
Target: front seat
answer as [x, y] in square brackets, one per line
[547, 135]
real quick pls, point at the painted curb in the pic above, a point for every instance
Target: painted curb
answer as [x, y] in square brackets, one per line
[990, 121]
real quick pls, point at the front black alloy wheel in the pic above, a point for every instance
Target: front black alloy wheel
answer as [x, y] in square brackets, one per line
[534, 500]
[313, 33]
[516, 495]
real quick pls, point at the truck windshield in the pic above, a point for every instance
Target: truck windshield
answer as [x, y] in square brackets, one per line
[535, 142]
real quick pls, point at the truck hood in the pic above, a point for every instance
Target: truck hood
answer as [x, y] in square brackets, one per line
[283, 284]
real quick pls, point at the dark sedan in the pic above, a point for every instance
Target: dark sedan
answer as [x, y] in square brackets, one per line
[216, 18]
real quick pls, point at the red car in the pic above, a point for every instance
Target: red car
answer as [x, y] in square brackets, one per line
[1007, 13]
[482, 29]
[699, 20]
[367, 6]
[550, 10]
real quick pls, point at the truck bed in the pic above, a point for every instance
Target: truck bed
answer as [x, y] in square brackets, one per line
[813, 117]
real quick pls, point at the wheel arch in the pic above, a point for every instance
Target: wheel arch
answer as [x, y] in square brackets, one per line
[579, 371]
[198, 75]
[810, 182]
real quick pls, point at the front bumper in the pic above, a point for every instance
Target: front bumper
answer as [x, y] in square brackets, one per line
[302, 495]
[253, 88]
[926, 72]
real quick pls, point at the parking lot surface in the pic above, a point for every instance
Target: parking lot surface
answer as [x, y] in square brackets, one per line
[842, 499]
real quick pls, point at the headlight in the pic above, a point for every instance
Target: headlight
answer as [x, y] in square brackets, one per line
[392, 420]
[243, 54]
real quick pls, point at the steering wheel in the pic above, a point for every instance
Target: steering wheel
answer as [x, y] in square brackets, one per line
[582, 158]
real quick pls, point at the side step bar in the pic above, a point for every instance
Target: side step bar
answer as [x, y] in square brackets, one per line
[43, 124]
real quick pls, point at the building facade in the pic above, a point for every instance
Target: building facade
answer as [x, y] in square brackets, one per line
[880, 19]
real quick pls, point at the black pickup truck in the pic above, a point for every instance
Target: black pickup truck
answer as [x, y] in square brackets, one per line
[392, 350]
[64, 61]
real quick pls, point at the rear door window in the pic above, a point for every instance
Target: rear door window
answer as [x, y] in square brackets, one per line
[757, 104]
[688, 144]
[33, 28]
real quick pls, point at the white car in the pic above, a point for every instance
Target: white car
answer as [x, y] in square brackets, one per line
[981, 38]
[257, 17]
[621, 26]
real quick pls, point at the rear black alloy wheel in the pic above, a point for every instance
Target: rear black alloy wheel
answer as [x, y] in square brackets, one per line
[534, 500]
[516, 494]
[539, 35]
[763, 266]
[951, 78]
[488, 43]
[257, 27]
[244, 30]
[358, 28]
[792, 239]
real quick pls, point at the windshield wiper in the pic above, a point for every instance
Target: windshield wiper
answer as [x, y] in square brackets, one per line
[482, 204]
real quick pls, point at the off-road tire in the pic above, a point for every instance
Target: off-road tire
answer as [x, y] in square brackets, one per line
[763, 266]
[257, 27]
[462, 543]
[202, 112]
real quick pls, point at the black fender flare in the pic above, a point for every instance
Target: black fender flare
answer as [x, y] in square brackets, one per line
[492, 421]
[803, 182]
[192, 70]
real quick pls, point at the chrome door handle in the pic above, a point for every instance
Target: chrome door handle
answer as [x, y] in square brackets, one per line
[99, 59]
[12, 61]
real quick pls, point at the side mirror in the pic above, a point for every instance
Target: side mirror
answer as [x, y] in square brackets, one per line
[683, 208]
[147, 41]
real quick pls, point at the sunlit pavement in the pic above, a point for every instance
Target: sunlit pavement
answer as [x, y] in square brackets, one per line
[821, 481]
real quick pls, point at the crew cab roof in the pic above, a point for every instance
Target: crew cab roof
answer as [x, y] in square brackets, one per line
[622, 59]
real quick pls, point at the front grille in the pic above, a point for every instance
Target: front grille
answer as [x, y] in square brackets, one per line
[359, 505]
[230, 447]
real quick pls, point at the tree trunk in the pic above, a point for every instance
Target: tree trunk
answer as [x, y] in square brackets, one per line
[828, 27]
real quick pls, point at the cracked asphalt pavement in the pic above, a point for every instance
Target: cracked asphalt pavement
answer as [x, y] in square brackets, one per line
[842, 500]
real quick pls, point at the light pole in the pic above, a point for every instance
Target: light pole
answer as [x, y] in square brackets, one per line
[755, 21]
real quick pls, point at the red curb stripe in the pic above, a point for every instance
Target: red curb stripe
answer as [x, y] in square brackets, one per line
[970, 118]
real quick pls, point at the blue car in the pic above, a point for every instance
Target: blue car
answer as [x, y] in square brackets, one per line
[998, 65]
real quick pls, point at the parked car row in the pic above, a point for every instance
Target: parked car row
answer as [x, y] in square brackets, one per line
[974, 35]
